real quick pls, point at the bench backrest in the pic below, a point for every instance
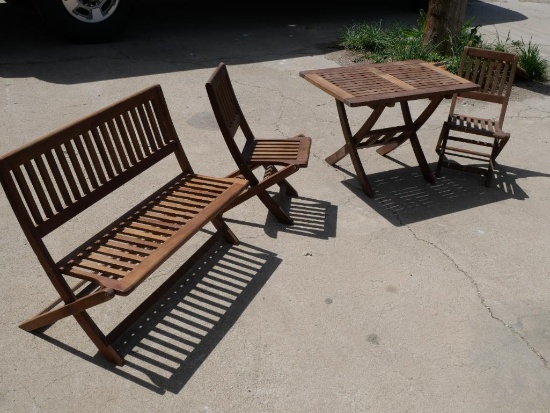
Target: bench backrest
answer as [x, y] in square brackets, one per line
[52, 179]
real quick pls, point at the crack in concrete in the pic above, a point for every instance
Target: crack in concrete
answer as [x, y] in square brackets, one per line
[396, 215]
[482, 299]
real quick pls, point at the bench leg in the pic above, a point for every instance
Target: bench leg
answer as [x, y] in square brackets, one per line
[47, 318]
[78, 310]
[98, 338]
[228, 235]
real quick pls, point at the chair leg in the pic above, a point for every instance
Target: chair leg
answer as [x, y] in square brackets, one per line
[267, 200]
[489, 175]
[286, 187]
[289, 189]
[228, 235]
[442, 136]
[442, 145]
[499, 145]
[275, 208]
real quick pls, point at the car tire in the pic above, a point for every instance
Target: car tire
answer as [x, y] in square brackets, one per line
[86, 21]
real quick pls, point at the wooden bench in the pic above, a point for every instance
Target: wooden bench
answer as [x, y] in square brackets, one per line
[51, 180]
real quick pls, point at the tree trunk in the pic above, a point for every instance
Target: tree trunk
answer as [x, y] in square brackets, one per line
[444, 20]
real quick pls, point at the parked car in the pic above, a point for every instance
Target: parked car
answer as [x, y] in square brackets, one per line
[83, 20]
[94, 21]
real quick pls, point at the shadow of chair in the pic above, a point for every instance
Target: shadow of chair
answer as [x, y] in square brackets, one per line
[312, 218]
[472, 137]
[279, 158]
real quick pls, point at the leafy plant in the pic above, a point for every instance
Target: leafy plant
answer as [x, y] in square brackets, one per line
[531, 61]
[363, 37]
[397, 42]
[394, 41]
[503, 45]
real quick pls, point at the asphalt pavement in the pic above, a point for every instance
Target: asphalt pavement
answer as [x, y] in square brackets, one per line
[427, 298]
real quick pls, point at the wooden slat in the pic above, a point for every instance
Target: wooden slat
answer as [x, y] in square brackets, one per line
[47, 181]
[38, 189]
[127, 138]
[120, 253]
[54, 167]
[111, 148]
[29, 200]
[150, 227]
[103, 154]
[135, 241]
[117, 140]
[154, 126]
[93, 154]
[68, 173]
[76, 168]
[139, 126]
[160, 223]
[85, 159]
[146, 123]
[103, 270]
[505, 78]
[121, 245]
[106, 260]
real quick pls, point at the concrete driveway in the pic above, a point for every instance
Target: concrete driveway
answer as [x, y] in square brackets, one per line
[428, 298]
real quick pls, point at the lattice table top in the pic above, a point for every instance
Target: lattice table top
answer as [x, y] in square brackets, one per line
[386, 83]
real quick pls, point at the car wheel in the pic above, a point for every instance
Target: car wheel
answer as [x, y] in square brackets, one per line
[88, 21]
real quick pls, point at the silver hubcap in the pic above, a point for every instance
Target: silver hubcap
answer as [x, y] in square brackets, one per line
[91, 11]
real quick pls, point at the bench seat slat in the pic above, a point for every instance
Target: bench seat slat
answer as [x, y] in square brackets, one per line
[113, 252]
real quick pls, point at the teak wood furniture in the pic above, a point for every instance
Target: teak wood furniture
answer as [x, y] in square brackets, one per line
[279, 158]
[474, 137]
[379, 86]
[51, 180]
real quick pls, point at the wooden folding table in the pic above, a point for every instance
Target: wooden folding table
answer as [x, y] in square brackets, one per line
[378, 86]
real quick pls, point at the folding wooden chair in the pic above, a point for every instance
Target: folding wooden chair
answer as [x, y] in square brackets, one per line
[280, 158]
[494, 71]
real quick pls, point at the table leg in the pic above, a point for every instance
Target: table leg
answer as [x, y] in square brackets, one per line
[358, 137]
[413, 137]
[352, 151]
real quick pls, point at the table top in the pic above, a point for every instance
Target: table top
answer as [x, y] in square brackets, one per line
[386, 83]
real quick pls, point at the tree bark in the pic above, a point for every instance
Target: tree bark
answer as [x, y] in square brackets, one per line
[444, 20]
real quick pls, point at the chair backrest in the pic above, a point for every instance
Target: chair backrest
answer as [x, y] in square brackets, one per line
[228, 112]
[493, 71]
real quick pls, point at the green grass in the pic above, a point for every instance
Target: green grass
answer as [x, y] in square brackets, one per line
[379, 43]
[531, 61]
